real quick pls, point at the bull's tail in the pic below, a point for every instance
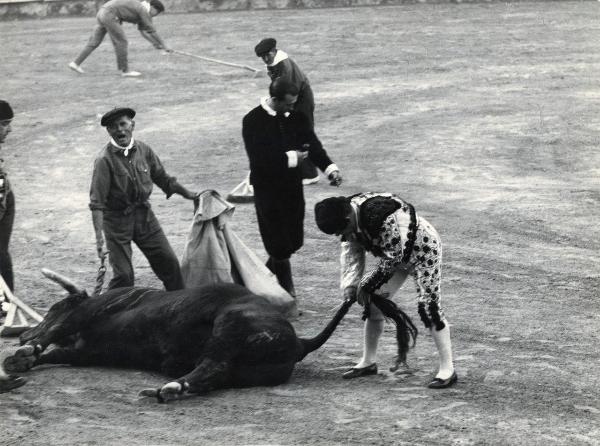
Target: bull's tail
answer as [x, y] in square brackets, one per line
[405, 329]
[310, 345]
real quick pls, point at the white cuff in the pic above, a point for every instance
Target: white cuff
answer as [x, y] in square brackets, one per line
[292, 159]
[331, 168]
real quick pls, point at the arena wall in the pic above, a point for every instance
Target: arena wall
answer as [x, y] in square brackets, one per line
[23, 9]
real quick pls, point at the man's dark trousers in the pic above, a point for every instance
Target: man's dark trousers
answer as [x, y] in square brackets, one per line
[6, 225]
[141, 227]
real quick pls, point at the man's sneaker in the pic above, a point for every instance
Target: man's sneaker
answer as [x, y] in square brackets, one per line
[307, 181]
[131, 74]
[73, 66]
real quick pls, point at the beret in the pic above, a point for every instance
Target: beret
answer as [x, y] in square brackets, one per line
[264, 46]
[115, 113]
[331, 214]
[6, 112]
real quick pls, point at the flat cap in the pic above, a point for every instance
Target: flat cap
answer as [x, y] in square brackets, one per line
[115, 113]
[264, 46]
[6, 112]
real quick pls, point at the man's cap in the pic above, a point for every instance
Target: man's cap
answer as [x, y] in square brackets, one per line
[331, 214]
[158, 5]
[116, 113]
[264, 46]
[6, 111]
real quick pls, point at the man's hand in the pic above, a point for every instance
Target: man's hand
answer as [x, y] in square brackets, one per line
[335, 179]
[302, 155]
[100, 249]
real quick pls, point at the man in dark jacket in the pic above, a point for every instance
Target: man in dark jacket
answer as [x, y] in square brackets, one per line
[121, 186]
[110, 17]
[281, 66]
[7, 201]
[277, 138]
[7, 216]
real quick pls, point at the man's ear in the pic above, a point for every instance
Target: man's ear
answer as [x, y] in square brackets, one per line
[132, 125]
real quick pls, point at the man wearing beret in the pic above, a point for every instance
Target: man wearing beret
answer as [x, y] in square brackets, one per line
[404, 244]
[110, 17]
[280, 65]
[277, 138]
[7, 217]
[121, 186]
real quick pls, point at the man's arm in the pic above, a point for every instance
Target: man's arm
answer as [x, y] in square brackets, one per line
[98, 195]
[154, 39]
[317, 154]
[167, 183]
[98, 221]
[147, 30]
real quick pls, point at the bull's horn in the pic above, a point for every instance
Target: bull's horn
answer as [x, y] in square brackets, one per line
[67, 284]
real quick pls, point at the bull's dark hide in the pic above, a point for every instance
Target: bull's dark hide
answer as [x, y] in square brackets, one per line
[205, 338]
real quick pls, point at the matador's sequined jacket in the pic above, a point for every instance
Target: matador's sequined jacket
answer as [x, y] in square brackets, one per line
[386, 227]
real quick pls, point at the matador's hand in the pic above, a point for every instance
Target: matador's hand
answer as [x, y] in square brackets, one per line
[363, 297]
[350, 294]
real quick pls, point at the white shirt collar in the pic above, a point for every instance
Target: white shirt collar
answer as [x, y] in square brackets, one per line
[126, 149]
[265, 105]
[279, 56]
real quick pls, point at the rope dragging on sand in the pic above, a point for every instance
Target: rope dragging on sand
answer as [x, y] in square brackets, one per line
[100, 275]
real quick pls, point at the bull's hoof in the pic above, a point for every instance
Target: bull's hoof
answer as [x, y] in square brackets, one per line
[10, 383]
[23, 360]
[26, 350]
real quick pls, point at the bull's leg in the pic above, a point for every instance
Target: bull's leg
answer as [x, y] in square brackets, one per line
[28, 357]
[214, 367]
[22, 360]
[210, 374]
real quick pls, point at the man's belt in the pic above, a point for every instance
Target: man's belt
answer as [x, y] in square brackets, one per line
[132, 207]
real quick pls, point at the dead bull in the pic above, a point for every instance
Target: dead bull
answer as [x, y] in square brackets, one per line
[215, 336]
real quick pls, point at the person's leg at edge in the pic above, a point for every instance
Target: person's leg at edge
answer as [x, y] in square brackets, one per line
[428, 279]
[373, 327]
[6, 225]
[282, 269]
[118, 230]
[94, 42]
[443, 344]
[372, 331]
[119, 40]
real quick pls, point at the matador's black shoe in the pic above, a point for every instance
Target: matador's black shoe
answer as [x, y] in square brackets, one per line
[363, 371]
[439, 383]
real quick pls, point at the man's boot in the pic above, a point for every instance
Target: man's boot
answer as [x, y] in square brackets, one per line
[283, 271]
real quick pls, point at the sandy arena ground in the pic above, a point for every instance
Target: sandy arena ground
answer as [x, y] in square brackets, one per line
[485, 117]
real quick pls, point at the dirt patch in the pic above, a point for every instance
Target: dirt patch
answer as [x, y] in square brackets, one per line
[483, 116]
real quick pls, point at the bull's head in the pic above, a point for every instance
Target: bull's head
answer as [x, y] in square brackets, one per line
[62, 316]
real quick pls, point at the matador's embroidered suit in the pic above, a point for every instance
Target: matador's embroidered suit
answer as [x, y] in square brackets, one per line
[391, 230]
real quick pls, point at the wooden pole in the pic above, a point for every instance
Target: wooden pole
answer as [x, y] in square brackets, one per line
[18, 302]
[222, 62]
